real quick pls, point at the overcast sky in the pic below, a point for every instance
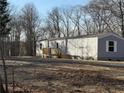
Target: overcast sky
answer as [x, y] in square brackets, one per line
[44, 6]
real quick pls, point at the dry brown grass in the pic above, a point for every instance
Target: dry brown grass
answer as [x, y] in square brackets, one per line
[66, 78]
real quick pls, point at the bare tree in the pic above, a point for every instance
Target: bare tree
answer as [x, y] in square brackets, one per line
[54, 19]
[1, 86]
[66, 22]
[66, 25]
[97, 17]
[15, 35]
[97, 12]
[117, 9]
[76, 18]
[31, 24]
[107, 15]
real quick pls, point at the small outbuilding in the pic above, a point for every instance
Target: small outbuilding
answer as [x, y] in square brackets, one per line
[105, 46]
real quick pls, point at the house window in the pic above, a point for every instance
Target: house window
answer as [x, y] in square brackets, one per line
[41, 46]
[111, 46]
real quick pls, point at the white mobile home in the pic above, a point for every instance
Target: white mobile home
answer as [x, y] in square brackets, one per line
[105, 46]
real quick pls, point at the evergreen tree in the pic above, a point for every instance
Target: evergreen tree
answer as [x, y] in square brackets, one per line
[4, 31]
[4, 18]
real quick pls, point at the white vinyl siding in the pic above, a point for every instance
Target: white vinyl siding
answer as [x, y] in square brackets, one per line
[83, 47]
[115, 46]
[111, 46]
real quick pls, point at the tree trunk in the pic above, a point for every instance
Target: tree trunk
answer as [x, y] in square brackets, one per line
[1, 86]
[122, 17]
[4, 65]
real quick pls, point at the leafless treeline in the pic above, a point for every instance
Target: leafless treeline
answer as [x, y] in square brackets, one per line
[25, 29]
[96, 17]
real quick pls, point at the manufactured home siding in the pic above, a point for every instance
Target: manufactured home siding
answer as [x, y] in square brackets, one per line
[39, 52]
[87, 46]
[44, 44]
[104, 55]
[83, 47]
[61, 45]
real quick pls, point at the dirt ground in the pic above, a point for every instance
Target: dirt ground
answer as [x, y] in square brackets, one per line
[65, 77]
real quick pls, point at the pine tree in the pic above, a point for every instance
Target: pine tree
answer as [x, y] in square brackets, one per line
[4, 18]
[4, 31]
